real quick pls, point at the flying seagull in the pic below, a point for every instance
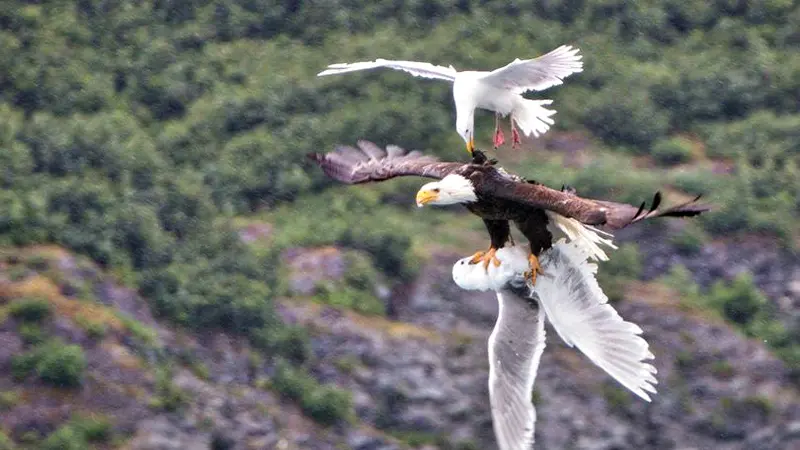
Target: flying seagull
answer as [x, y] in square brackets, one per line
[497, 197]
[569, 296]
[499, 90]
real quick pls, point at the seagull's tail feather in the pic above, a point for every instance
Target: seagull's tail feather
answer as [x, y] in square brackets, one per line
[531, 116]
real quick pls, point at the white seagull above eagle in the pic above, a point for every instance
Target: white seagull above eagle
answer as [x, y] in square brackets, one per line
[540, 213]
[499, 90]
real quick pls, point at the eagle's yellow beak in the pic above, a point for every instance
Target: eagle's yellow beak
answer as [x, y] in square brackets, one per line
[424, 197]
[471, 146]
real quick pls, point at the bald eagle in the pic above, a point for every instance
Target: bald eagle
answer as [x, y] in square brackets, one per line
[494, 195]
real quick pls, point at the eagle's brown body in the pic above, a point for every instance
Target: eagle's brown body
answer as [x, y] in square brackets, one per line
[501, 198]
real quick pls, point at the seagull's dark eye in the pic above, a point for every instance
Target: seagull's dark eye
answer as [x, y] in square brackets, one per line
[436, 190]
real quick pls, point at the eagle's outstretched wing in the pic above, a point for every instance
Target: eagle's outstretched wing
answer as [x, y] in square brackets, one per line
[369, 162]
[588, 211]
[417, 69]
[538, 74]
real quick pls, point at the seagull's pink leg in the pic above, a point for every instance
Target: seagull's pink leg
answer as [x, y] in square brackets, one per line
[499, 139]
[515, 140]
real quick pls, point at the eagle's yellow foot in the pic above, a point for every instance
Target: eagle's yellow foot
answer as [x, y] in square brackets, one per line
[536, 269]
[486, 257]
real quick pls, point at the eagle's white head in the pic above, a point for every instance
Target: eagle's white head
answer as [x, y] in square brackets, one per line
[449, 190]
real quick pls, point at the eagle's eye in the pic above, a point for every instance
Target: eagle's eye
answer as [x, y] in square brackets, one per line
[436, 190]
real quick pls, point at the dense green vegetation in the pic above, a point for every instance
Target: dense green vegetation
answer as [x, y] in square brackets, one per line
[53, 363]
[138, 133]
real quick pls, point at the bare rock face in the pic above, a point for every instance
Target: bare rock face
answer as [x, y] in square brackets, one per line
[775, 270]
[309, 267]
[717, 389]
[424, 372]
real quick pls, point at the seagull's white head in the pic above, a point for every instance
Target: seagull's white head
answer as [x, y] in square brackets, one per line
[449, 190]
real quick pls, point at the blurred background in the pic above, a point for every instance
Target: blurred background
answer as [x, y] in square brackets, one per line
[175, 275]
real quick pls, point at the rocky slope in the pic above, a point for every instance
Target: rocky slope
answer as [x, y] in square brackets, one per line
[418, 380]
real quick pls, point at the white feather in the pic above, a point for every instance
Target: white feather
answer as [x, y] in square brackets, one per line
[515, 349]
[515, 345]
[573, 302]
[579, 311]
[498, 90]
[584, 236]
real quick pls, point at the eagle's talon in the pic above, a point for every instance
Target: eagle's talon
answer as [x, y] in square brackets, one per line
[536, 269]
[486, 257]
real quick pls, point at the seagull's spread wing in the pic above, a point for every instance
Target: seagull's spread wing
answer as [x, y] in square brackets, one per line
[515, 348]
[580, 313]
[539, 73]
[369, 162]
[418, 69]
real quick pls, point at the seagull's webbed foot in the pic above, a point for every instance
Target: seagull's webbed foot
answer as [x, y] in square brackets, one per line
[486, 257]
[536, 269]
[499, 138]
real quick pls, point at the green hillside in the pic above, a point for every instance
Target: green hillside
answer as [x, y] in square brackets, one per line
[146, 134]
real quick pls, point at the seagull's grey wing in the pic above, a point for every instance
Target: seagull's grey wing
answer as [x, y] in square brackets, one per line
[579, 311]
[539, 73]
[515, 347]
[418, 69]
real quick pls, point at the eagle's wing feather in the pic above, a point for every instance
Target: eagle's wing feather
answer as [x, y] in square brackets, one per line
[590, 212]
[539, 73]
[369, 162]
[417, 69]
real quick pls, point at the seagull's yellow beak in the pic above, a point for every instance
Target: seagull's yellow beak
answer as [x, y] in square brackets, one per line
[471, 146]
[426, 196]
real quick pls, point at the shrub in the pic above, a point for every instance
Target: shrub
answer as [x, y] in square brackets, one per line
[740, 301]
[325, 404]
[689, 240]
[292, 382]
[8, 400]
[66, 437]
[169, 397]
[94, 428]
[671, 151]
[5, 442]
[62, 366]
[32, 309]
[53, 362]
[31, 333]
[289, 342]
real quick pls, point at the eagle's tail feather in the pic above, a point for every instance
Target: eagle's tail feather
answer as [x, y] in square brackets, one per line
[621, 215]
